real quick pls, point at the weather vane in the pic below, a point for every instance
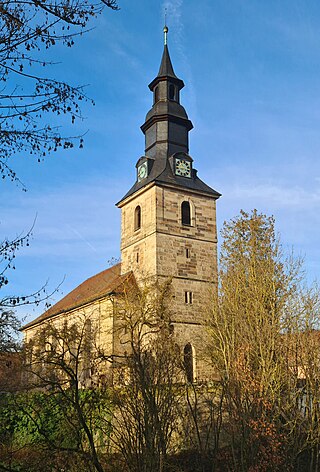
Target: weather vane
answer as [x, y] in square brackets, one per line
[165, 29]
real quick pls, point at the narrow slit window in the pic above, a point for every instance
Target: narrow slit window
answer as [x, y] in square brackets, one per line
[137, 218]
[188, 298]
[188, 359]
[186, 214]
[137, 257]
[187, 253]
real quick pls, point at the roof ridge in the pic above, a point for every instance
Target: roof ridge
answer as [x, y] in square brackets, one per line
[93, 288]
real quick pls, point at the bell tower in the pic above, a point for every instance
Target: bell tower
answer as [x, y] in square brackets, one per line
[168, 226]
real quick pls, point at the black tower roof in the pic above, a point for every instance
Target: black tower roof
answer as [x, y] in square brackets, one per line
[166, 68]
[166, 71]
[166, 131]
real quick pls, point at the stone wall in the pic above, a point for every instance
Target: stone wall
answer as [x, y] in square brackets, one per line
[100, 315]
[165, 248]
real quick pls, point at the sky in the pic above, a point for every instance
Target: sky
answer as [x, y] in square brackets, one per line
[251, 71]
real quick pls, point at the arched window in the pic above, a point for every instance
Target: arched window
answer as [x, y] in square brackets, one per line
[185, 213]
[137, 218]
[188, 359]
[156, 94]
[171, 92]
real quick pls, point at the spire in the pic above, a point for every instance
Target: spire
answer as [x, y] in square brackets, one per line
[166, 69]
[166, 129]
[167, 124]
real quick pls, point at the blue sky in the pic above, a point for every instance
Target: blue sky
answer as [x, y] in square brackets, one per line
[251, 71]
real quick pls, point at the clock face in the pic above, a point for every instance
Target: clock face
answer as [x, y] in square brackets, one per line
[142, 171]
[183, 168]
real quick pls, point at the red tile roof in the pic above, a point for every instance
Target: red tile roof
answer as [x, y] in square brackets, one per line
[96, 287]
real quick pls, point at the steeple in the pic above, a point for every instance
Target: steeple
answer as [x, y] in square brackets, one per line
[167, 125]
[166, 129]
[166, 69]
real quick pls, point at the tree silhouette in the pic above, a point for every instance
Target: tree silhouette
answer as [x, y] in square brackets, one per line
[27, 95]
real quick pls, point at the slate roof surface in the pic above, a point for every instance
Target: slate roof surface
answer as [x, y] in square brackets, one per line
[166, 69]
[170, 111]
[106, 282]
[162, 173]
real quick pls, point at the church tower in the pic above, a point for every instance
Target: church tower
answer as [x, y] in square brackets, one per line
[168, 224]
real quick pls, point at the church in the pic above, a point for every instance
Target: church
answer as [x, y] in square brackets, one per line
[168, 230]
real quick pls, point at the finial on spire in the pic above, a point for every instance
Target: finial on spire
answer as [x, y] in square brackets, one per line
[165, 29]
